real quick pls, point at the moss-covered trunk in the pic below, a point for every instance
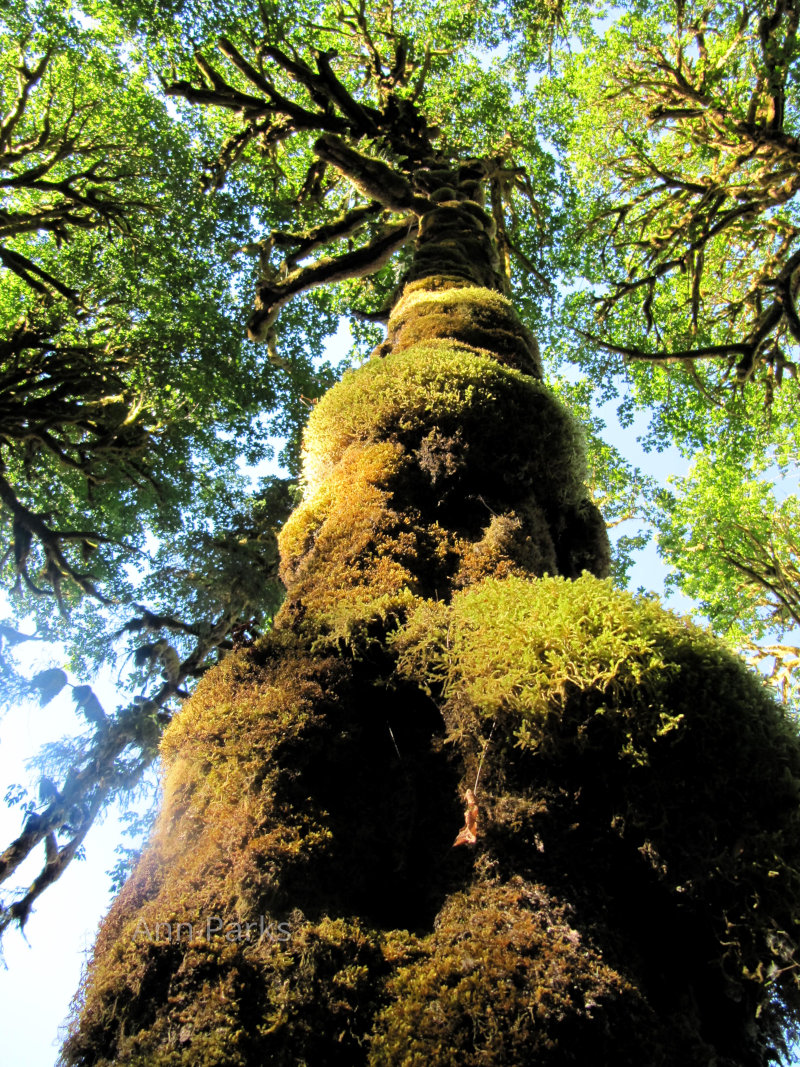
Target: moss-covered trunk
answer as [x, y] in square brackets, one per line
[623, 891]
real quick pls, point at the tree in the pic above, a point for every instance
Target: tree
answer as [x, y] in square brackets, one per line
[698, 132]
[625, 883]
[744, 534]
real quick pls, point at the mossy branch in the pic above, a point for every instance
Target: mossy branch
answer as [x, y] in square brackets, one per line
[97, 775]
[354, 264]
[373, 177]
[302, 244]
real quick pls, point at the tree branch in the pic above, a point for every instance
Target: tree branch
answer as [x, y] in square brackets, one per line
[704, 352]
[372, 177]
[271, 297]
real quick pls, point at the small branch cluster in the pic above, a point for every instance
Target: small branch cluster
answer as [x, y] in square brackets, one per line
[55, 175]
[731, 167]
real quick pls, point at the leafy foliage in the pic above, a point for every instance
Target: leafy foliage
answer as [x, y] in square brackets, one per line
[696, 138]
[127, 397]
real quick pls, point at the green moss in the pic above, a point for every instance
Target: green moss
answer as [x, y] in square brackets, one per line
[632, 898]
[425, 471]
[418, 296]
[355, 494]
[352, 562]
[506, 979]
[517, 430]
[308, 999]
[525, 646]
[608, 722]
[475, 317]
[267, 772]
[513, 543]
[398, 507]
[632, 895]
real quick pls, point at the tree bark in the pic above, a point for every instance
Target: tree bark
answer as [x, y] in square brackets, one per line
[301, 900]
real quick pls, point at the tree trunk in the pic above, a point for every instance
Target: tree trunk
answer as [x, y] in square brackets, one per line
[301, 899]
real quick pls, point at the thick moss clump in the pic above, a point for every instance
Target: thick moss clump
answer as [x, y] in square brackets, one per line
[426, 471]
[632, 896]
[517, 432]
[352, 560]
[637, 767]
[505, 978]
[303, 992]
[466, 315]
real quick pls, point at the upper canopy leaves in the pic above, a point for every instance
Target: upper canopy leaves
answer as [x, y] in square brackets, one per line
[686, 147]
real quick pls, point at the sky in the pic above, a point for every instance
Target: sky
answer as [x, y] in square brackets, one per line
[42, 970]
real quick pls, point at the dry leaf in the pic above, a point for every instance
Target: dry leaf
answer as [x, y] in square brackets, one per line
[468, 834]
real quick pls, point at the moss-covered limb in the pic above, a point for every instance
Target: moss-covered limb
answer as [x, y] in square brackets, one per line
[322, 85]
[303, 244]
[271, 295]
[372, 177]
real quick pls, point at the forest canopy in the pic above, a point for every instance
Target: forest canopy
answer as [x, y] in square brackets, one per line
[155, 173]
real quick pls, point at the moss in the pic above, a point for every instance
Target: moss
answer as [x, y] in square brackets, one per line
[451, 216]
[425, 471]
[267, 772]
[478, 318]
[456, 237]
[352, 561]
[518, 431]
[308, 999]
[506, 979]
[416, 296]
[632, 896]
[397, 508]
[512, 543]
[632, 893]
[356, 491]
[639, 767]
